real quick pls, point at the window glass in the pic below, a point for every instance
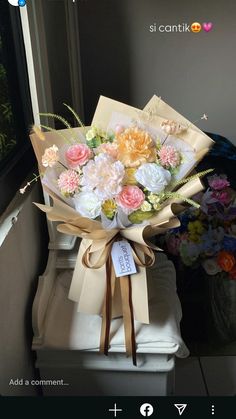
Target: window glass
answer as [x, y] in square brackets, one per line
[16, 155]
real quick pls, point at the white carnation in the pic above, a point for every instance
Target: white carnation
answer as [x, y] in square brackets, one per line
[88, 204]
[153, 177]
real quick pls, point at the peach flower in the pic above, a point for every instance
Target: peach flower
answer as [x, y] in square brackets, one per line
[108, 148]
[77, 155]
[104, 176]
[171, 127]
[135, 147]
[50, 156]
[130, 198]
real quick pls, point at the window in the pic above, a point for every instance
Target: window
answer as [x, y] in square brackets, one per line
[16, 156]
[7, 129]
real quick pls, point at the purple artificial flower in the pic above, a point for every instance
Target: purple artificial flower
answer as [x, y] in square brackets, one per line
[218, 182]
[224, 197]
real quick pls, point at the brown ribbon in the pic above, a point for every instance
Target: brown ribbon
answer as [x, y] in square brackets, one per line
[128, 316]
[107, 307]
[126, 292]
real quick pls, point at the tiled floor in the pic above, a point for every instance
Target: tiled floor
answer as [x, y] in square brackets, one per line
[213, 376]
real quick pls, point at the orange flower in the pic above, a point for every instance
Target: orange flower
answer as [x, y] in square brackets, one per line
[135, 147]
[226, 260]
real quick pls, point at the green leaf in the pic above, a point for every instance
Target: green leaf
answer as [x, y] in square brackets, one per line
[139, 216]
[94, 143]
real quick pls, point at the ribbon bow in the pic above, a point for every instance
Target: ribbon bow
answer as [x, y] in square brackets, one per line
[125, 288]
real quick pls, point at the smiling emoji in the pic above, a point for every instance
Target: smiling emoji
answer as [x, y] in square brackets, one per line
[196, 27]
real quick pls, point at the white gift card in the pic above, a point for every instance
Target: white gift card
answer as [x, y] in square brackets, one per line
[122, 258]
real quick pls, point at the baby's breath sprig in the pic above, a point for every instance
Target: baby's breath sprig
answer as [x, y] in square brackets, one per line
[203, 117]
[35, 179]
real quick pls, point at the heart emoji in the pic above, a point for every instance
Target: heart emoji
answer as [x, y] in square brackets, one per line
[207, 26]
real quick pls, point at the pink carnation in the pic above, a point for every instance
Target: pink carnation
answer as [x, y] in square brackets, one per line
[169, 156]
[77, 155]
[130, 197]
[218, 182]
[68, 182]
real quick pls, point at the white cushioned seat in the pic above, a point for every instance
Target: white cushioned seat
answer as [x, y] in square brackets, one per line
[67, 329]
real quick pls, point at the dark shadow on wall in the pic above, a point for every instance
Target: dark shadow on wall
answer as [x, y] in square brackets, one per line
[104, 44]
[58, 56]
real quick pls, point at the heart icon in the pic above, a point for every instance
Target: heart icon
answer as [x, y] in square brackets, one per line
[207, 26]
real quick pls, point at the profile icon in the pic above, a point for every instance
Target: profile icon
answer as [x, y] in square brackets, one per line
[17, 3]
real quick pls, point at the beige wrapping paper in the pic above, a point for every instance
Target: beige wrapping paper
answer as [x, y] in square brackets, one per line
[88, 288]
[154, 113]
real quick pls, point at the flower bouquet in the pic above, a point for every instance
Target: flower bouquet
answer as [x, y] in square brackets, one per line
[207, 235]
[115, 185]
[207, 239]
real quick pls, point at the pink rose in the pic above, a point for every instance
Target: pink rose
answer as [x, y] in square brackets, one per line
[131, 197]
[218, 182]
[77, 155]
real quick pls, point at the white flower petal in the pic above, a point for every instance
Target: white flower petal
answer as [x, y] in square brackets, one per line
[88, 204]
[153, 177]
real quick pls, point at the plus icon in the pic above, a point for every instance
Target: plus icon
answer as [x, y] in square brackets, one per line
[115, 410]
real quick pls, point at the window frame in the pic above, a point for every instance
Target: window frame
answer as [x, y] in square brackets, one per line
[17, 164]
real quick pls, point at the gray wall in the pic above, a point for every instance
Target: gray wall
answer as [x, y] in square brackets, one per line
[194, 73]
[22, 259]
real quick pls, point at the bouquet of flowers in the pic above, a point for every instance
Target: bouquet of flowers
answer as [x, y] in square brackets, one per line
[115, 184]
[207, 235]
